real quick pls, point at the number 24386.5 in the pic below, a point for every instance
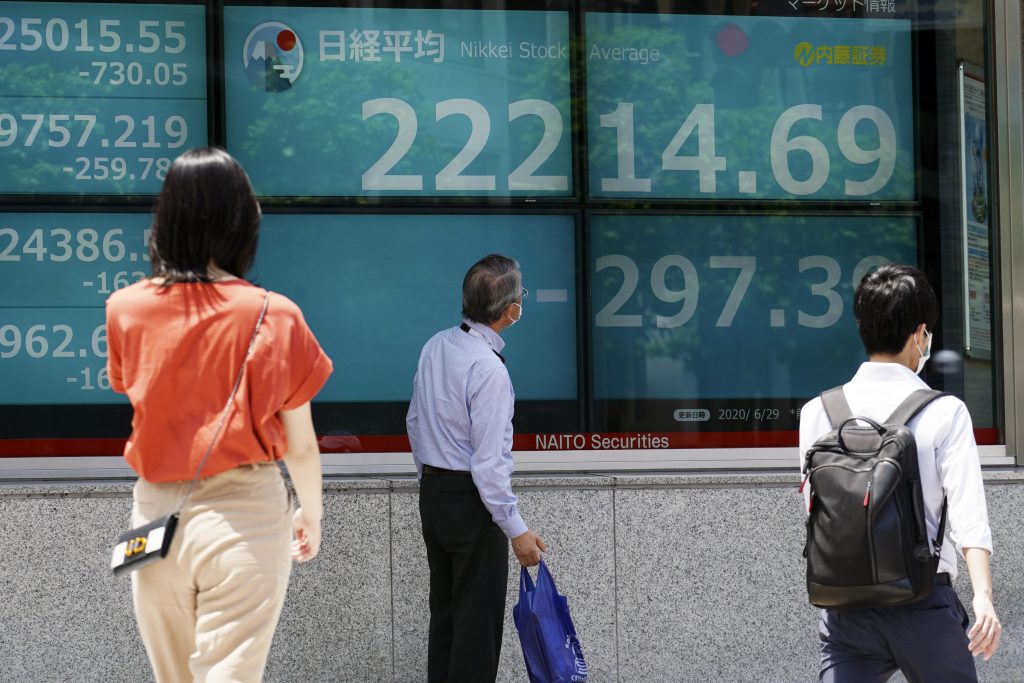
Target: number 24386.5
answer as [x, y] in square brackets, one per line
[64, 244]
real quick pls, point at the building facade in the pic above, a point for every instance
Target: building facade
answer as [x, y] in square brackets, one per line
[693, 191]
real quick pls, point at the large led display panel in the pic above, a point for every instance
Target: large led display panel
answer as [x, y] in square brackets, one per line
[400, 102]
[373, 288]
[98, 98]
[703, 322]
[58, 270]
[749, 107]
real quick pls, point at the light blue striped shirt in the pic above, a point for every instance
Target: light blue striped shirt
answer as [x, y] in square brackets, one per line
[460, 416]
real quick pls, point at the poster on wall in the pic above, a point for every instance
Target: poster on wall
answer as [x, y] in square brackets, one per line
[98, 98]
[974, 156]
[324, 101]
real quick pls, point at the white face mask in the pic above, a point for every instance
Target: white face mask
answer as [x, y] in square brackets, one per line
[515, 320]
[926, 354]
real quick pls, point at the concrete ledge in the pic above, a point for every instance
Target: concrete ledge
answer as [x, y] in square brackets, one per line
[545, 463]
[98, 488]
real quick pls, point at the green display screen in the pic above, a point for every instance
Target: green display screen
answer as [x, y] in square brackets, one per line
[404, 102]
[755, 107]
[692, 197]
[98, 98]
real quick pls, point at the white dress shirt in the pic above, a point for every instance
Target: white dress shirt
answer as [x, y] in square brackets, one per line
[946, 451]
[460, 416]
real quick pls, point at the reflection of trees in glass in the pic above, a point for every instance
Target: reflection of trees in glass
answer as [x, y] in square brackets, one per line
[316, 128]
[749, 344]
[748, 96]
[45, 80]
[658, 91]
[614, 348]
[38, 168]
[23, 174]
[545, 78]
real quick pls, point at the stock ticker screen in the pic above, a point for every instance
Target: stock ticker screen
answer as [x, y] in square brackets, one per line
[731, 321]
[683, 106]
[411, 102]
[98, 98]
[726, 323]
[692, 197]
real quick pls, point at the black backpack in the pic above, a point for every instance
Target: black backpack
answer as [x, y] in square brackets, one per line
[867, 543]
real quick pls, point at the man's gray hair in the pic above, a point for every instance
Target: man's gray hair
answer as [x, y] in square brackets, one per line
[490, 285]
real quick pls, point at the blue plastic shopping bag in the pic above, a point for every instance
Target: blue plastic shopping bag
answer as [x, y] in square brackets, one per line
[546, 632]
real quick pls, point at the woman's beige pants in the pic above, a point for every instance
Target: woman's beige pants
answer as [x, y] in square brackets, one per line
[207, 612]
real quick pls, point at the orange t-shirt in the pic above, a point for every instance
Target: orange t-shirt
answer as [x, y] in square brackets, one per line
[176, 351]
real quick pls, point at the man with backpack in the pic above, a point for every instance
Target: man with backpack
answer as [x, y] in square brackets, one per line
[878, 496]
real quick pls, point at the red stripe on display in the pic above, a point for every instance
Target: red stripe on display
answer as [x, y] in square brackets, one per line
[37, 448]
[376, 443]
[987, 437]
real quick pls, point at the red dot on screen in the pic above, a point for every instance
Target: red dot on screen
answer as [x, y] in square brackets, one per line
[732, 40]
[286, 40]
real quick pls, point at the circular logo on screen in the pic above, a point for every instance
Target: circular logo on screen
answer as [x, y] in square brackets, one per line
[803, 53]
[272, 56]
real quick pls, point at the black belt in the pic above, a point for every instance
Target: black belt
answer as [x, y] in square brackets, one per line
[431, 471]
[942, 578]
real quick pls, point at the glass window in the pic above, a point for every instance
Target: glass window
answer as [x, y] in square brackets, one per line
[693, 190]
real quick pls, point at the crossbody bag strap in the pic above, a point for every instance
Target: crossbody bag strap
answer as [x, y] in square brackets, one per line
[231, 398]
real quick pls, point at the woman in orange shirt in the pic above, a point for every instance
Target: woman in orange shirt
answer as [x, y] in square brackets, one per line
[177, 342]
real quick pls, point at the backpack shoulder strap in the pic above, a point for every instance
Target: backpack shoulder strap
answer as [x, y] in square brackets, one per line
[912, 405]
[836, 407]
[940, 535]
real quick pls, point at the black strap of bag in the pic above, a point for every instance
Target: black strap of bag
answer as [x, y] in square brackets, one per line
[227, 406]
[142, 545]
[469, 330]
[904, 413]
[941, 535]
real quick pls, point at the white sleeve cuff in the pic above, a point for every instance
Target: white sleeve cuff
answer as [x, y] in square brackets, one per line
[977, 537]
[514, 525]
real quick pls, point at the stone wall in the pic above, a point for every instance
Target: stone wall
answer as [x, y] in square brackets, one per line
[674, 578]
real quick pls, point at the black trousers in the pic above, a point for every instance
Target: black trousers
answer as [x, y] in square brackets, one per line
[925, 640]
[468, 557]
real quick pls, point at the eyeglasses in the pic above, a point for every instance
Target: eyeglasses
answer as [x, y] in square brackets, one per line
[522, 295]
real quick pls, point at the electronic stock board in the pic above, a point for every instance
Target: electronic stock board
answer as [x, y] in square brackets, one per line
[397, 145]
